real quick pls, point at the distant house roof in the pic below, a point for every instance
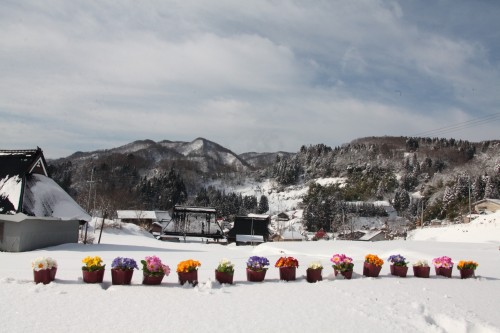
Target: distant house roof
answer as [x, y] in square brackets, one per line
[143, 214]
[485, 200]
[26, 188]
[372, 235]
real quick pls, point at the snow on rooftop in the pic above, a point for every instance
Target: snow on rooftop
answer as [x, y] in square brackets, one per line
[43, 197]
[10, 189]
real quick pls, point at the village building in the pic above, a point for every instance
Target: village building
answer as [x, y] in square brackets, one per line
[487, 206]
[35, 211]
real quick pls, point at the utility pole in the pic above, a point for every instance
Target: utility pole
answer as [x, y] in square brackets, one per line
[422, 219]
[88, 204]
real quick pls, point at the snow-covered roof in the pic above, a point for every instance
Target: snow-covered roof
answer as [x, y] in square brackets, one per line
[261, 216]
[44, 198]
[291, 234]
[369, 235]
[136, 214]
[158, 215]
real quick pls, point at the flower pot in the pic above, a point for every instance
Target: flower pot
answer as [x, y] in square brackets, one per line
[121, 276]
[42, 276]
[443, 271]
[421, 271]
[347, 274]
[313, 275]
[336, 272]
[400, 271]
[94, 276]
[53, 272]
[466, 273]
[222, 277]
[371, 270]
[287, 273]
[256, 276]
[191, 277]
[152, 280]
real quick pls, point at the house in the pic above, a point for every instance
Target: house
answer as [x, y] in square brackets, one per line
[252, 225]
[487, 206]
[374, 236]
[35, 211]
[143, 217]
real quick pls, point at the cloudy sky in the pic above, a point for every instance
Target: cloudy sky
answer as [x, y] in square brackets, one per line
[249, 75]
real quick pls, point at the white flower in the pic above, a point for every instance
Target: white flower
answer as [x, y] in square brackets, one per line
[43, 263]
[226, 263]
[315, 265]
[421, 263]
[39, 264]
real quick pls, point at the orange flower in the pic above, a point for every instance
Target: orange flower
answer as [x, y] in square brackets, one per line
[374, 259]
[188, 266]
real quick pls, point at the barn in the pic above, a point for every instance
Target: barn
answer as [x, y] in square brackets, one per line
[35, 211]
[251, 225]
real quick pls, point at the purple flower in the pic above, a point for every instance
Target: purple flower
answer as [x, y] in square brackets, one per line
[397, 260]
[124, 263]
[257, 263]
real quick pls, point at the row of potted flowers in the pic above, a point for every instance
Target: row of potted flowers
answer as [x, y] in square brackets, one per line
[45, 268]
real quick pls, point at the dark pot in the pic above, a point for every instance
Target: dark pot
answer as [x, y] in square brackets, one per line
[446, 272]
[336, 272]
[53, 272]
[121, 276]
[190, 277]
[93, 277]
[222, 277]
[347, 274]
[371, 270]
[313, 275]
[287, 273]
[400, 271]
[421, 271]
[256, 276]
[42, 276]
[467, 273]
[152, 280]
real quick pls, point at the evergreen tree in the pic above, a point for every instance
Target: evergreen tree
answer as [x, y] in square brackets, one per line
[263, 204]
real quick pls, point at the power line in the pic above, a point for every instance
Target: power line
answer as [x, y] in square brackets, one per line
[462, 125]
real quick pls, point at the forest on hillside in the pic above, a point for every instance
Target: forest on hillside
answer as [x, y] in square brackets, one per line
[441, 171]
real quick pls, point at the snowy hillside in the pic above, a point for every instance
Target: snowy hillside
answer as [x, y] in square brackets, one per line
[483, 229]
[383, 304]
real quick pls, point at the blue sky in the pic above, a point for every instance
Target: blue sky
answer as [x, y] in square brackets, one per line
[252, 76]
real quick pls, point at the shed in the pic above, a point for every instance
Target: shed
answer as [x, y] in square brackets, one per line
[20, 232]
[487, 205]
[252, 224]
[33, 207]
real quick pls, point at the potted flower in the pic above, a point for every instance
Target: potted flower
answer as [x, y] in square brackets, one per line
[93, 271]
[44, 269]
[342, 264]
[256, 268]
[443, 266]
[153, 270]
[288, 267]
[421, 269]
[467, 268]
[122, 270]
[313, 272]
[372, 265]
[224, 272]
[187, 271]
[398, 265]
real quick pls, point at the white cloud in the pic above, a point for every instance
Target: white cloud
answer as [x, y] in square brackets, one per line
[254, 75]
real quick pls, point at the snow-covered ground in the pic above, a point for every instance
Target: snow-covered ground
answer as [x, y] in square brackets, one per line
[384, 304]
